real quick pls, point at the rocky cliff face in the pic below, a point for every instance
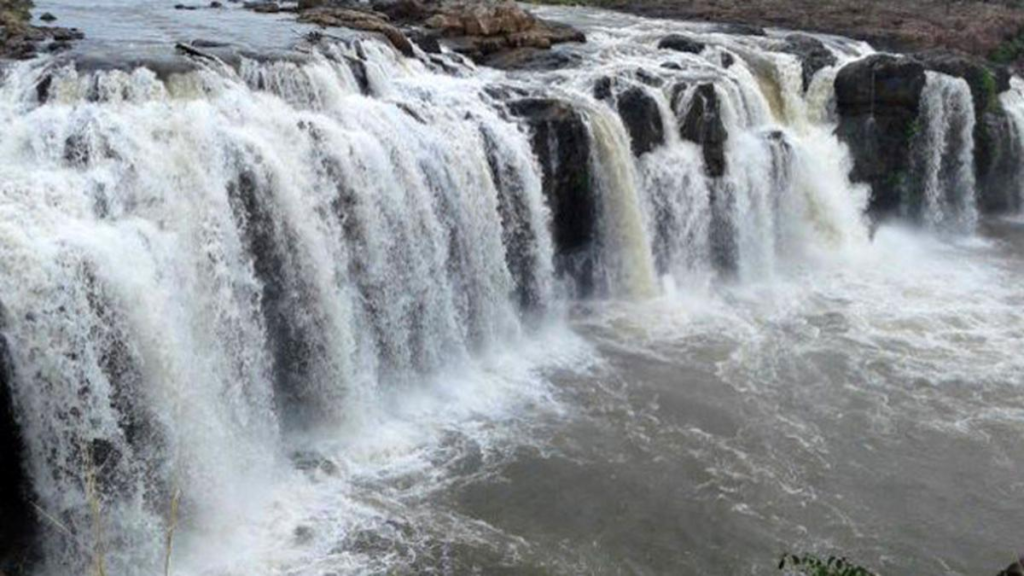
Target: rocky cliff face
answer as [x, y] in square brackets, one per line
[16, 518]
[878, 102]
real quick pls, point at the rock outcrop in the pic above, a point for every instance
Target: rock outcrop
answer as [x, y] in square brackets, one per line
[812, 53]
[478, 29]
[641, 115]
[561, 142]
[702, 124]
[21, 40]
[17, 524]
[878, 100]
[681, 43]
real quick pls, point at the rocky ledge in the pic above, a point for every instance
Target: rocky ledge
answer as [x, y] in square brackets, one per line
[19, 39]
[878, 100]
[481, 30]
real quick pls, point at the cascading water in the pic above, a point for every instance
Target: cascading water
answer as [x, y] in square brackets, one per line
[215, 282]
[944, 154]
[1013, 102]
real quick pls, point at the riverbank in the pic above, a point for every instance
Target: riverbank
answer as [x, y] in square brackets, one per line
[982, 29]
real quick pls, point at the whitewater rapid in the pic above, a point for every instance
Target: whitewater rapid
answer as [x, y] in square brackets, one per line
[289, 315]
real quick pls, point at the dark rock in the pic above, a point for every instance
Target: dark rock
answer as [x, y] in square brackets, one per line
[672, 66]
[642, 116]
[561, 142]
[603, 88]
[47, 17]
[681, 43]
[216, 4]
[185, 7]
[533, 59]
[402, 10]
[997, 159]
[427, 42]
[812, 53]
[738, 29]
[18, 526]
[878, 100]
[1015, 569]
[996, 148]
[702, 124]
[728, 60]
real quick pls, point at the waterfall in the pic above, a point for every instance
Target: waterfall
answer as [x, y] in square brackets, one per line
[944, 154]
[1013, 103]
[200, 270]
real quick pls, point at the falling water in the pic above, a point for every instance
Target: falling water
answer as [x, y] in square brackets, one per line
[201, 271]
[944, 154]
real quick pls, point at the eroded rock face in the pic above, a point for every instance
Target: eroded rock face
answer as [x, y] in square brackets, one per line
[878, 100]
[812, 53]
[561, 142]
[17, 526]
[642, 118]
[701, 123]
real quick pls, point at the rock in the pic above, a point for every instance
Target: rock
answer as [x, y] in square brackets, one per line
[997, 159]
[427, 42]
[47, 17]
[262, 7]
[561, 143]
[402, 10]
[17, 530]
[702, 124]
[532, 59]
[878, 99]
[480, 29]
[738, 29]
[986, 80]
[603, 88]
[812, 53]
[681, 43]
[359, 20]
[21, 40]
[642, 117]
[1015, 569]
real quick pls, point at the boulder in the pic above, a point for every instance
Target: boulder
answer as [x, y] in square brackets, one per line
[480, 29]
[18, 526]
[877, 100]
[813, 55]
[681, 43]
[701, 123]
[642, 117]
[20, 40]
[533, 59]
[561, 142]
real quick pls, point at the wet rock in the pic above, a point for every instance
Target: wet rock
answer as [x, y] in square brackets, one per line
[534, 59]
[702, 123]
[642, 117]
[48, 17]
[603, 88]
[878, 100]
[995, 146]
[402, 10]
[561, 142]
[359, 20]
[17, 528]
[1015, 569]
[681, 43]
[738, 29]
[427, 42]
[812, 53]
[20, 40]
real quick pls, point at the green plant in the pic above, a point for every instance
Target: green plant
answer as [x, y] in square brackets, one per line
[811, 565]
